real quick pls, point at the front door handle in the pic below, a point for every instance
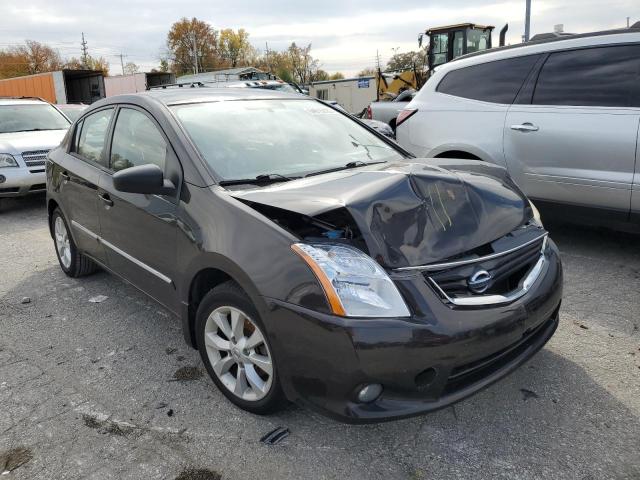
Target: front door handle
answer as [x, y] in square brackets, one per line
[65, 176]
[525, 127]
[106, 199]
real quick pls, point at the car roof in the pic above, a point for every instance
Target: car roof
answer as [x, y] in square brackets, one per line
[176, 96]
[21, 101]
[593, 39]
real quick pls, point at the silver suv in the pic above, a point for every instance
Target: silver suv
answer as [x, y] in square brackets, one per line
[29, 128]
[562, 116]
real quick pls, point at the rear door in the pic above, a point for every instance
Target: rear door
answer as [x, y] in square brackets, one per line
[139, 231]
[80, 171]
[575, 142]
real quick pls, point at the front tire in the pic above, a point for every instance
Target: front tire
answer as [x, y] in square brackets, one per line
[235, 349]
[72, 262]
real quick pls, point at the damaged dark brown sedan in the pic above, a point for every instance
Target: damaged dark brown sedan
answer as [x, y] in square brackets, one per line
[309, 258]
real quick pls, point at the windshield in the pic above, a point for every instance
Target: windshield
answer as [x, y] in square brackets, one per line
[244, 139]
[27, 118]
[72, 111]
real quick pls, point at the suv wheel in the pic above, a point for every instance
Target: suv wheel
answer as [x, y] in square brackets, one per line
[235, 350]
[72, 262]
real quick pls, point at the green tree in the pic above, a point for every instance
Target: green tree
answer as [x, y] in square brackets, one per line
[191, 41]
[130, 68]
[234, 47]
[408, 61]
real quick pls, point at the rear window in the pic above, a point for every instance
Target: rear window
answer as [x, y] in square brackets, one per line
[603, 77]
[495, 82]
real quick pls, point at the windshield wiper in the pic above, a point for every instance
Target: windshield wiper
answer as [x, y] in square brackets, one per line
[357, 163]
[262, 179]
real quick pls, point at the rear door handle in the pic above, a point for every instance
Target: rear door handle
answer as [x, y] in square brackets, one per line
[525, 127]
[106, 199]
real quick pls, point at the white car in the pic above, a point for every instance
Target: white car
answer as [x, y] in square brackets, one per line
[562, 116]
[29, 128]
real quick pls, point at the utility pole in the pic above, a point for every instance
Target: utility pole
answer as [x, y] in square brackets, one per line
[122, 62]
[266, 46]
[84, 51]
[195, 53]
[527, 21]
[628, 18]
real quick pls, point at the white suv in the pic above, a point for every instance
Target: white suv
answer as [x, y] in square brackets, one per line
[562, 116]
[29, 128]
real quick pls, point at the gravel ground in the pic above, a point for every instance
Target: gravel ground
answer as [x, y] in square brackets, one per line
[88, 390]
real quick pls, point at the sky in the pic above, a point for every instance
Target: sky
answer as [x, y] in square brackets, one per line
[346, 35]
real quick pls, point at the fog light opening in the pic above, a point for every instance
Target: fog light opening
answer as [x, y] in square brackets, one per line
[424, 378]
[2, 178]
[369, 393]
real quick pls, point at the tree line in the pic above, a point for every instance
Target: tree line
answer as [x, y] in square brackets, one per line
[194, 45]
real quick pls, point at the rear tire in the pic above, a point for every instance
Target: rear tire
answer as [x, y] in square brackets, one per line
[234, 347]
[72, 262]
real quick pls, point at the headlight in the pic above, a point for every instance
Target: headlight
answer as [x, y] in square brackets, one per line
[355, 285]
[7, 160]
[537, 219]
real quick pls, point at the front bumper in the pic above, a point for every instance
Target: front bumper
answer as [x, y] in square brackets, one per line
[19, 181]
[441, 355]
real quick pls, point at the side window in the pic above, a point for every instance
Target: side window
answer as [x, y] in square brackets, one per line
[604, 77]
[90, 142]
[497, 82]
[440, 48]
[136, 141]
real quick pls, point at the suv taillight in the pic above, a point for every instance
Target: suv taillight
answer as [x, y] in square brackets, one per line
[369, 113]
[404, 114]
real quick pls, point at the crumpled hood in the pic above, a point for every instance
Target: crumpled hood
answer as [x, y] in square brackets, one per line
[17, 142]
[410, 213]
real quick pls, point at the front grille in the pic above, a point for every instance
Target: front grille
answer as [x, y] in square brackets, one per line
[506, 272]
[35, 158]
[9, 190]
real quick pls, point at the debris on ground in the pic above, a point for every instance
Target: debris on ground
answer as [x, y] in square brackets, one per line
[105, 425]
[25, 300]
[527, 394]
[198, 474]
[187, 374]
[161, 405]
[581, 325]
[170, 412]
[171, 350]
[14, 458]
[98, 299]
[275, 436]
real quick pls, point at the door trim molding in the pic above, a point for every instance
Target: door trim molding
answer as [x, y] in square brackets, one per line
[122, 253]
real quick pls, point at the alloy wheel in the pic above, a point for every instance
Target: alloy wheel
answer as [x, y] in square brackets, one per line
[238, 353]
[63, 244]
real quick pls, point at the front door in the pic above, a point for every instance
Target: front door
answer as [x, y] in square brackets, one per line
[575, 143]
[139, 231]
[80, 171]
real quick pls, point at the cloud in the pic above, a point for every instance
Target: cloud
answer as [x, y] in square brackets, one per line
[346, 34]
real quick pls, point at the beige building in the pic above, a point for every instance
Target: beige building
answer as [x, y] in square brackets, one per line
[352, 94]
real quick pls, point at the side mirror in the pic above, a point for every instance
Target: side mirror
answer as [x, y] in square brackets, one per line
[146, 179]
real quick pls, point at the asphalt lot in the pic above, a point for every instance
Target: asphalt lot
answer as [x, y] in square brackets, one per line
[88, 390]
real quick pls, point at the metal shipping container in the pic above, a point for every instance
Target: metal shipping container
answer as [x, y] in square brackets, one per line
[63, 86]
